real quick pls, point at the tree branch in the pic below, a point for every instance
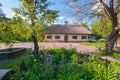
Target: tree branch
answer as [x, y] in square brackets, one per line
[118, 16]
[107, 9]
[112, 5]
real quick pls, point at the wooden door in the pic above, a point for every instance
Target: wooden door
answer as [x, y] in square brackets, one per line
[66, 38]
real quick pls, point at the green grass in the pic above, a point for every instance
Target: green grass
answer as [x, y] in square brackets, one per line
[103, 52]
[112, 54]
[97, 44]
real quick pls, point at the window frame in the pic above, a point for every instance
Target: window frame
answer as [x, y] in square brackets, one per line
[57, 37]
[83, 37]
[49, 37]
[74, 37]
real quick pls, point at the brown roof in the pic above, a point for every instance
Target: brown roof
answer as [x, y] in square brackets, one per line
[67, 29]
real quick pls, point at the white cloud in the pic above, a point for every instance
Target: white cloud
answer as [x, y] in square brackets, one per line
[71, 19]
[61, 17]
[97, 7]
[57, 23]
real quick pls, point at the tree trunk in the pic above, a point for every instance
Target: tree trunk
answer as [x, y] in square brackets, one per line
[111, 39]
[115, 31]
[36, 47]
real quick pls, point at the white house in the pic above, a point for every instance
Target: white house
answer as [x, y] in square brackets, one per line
[67, 33]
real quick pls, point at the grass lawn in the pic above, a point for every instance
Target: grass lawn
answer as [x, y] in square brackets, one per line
[102, 52]
[97, 44]
[113, 53]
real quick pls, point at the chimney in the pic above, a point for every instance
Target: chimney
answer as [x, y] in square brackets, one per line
[65, 22]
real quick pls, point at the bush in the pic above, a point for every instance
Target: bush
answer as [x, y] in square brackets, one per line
[37, 69]
[61, 55]
[63, 64]
[69, 72]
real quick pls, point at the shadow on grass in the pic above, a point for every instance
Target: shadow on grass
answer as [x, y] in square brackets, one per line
[113, 53]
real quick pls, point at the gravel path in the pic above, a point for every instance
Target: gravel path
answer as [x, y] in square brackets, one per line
[109, 58]
[45, 45]
[80, 48]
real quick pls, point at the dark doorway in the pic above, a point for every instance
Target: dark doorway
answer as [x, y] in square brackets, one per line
[66, 38]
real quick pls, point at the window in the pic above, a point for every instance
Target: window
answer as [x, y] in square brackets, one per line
[49, 37]
[57, 37]
[74, 37]
[84, 37]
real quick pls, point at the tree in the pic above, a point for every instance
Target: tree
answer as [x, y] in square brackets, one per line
[95, 7]
[101, 28]
[11, 28]
[37, 14]
[1, 12]
[84, 24]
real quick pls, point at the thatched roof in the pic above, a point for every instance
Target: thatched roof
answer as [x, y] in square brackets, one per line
[67, 29]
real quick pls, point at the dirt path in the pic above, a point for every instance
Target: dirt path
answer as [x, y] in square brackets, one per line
[109, 58]
[80, 48]
[45, 45]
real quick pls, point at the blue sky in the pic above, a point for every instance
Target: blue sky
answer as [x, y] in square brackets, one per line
[59, 5]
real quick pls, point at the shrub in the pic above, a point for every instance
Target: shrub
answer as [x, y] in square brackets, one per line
[61, 55]
[75, 58]
[69, 72]
[37, 69]
[66, 64]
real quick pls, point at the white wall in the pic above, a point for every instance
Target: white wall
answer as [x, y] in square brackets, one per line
[62, 37]
[79, 38]
[53, 37]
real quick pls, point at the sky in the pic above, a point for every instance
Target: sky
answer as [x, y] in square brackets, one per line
[58, 5]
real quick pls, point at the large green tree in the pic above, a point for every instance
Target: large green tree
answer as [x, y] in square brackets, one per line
[101, 28]
[14, 29]
[90, 8]
[37, 14]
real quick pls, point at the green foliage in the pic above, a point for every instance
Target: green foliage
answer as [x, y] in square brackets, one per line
[69, 72]
[102, 28]
[70, 66]
[75, 58]
[62, 55]
[36, 12]
[84, 24]
[11, 29]
[39, 68]
[30, 19]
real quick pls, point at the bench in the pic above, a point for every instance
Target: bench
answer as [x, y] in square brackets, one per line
[5, 72]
